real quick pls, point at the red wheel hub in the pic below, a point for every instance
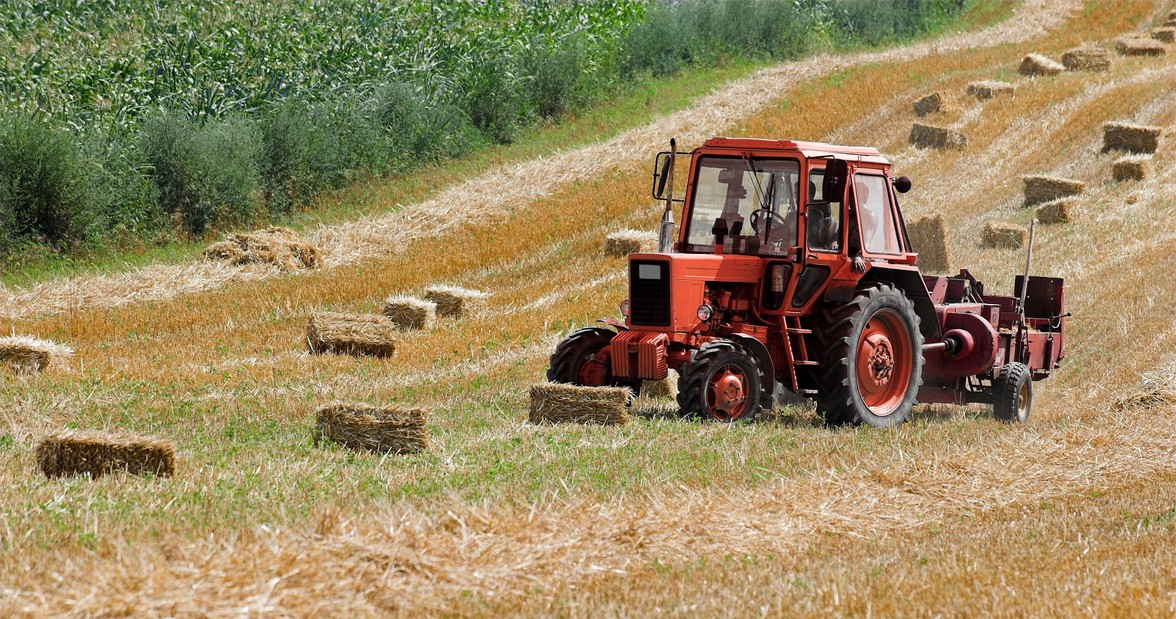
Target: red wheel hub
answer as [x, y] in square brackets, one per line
[594, 370]
[726, 393]
[883, 362]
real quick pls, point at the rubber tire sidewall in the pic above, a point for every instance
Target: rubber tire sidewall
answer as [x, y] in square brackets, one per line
[1007, 393]
[696, 374]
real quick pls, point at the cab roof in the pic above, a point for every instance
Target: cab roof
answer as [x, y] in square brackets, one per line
[807, 149]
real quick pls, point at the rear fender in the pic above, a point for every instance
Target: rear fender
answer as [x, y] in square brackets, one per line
[911, 283]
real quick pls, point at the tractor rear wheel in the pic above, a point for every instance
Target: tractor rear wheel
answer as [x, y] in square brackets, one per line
[721, 382]
[582, 359]
[872, 364]
[1013, 395]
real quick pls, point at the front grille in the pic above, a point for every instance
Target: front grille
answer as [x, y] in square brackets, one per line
[649, 293]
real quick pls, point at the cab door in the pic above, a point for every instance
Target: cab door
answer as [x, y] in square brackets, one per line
[822, 254]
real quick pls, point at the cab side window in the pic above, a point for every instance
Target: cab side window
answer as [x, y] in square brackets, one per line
[823, 229]
[879, 234]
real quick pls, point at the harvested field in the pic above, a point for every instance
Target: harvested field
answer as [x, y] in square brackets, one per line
[990, 89]
[1056, 211]
[1131, 137]
[625, 242]
[559, 403]
[29, 355]
[1035, 65]
[358, 426]
[1087, 59]
[927, 136]
[364, 335]
[1000, 234]
[97, 454]
[1130, 169]
[928, 237]
[934, 103]
[455, 302]
[279, 247]
[409, 313]
[1140, 47]
[1041, 188]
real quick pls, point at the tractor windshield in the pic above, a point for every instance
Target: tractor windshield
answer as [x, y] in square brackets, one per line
[753, 200]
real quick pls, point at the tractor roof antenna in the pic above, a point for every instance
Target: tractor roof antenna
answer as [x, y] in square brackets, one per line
[665, 233]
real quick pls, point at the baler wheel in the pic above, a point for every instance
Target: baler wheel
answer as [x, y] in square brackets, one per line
[721, 382]
[582, 359]
[872, 364]
[1013, 393]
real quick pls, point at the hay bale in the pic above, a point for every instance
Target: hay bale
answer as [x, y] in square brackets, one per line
[559, 403]
[410, 312]
[1087, 59]
[1002, 234]
[1056, 212]
[362, 427]
[1131, 138]
[1129, 169]
[29, 355]
[281, 247]
[455, 302]
[927, 136]
[990, 89]
[664, 388]
[1172, 16]
[1034, 65]
[936, 102]
[625, 242]
[1164, 35]
[929, 238]
[1137, 46]
[1171, 23]
[360, 335]
[1040, 188]
[97, 454]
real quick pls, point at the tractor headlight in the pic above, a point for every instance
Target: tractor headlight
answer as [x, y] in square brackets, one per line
[625, 305]
[705, 312]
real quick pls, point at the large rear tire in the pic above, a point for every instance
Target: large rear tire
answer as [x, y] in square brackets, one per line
[582, 359]
[1013, 393]
[721, 382]
[872, 365]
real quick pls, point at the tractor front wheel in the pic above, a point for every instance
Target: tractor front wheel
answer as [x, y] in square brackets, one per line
[720, 382]
[582, 359]
[1013, 395]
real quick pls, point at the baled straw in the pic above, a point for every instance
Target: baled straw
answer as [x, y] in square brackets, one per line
[1172, 16]
[410, 312]
[929, 238]
[29, 355]
[624, 242]
[1087, 59]
[1040, 188]
[97, 454]
[1140, 47]
[347, 334]
[1129, 169]
[560, 403]
[362, 427]
[1056, 212]
[281, 247]
[455, 302]
[664, 388]
[1003, 235]
[1164, 35]
[927, 136]
[1171, 23]
[990, 89]
[935, 102]
[1131, 137]
[1034, 65]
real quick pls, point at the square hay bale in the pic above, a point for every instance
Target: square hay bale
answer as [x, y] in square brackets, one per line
[1172, 16]
[1002, 234]
[280, 247]
[362, 427]
[1040, 188]
[624, 242]
[455, 302]
[560, 403]
[1087, 59]
[990, 89]
[1171, 23]
[929, 238]
[1130, 137]
[936, 102]
[1130, 169]
[410, 312]
[348, 334]
[927, 136]
[1034, 65]
[1164, 35]
[1138, 46]
[664, 388]
[1056, 212]
[97, 454]
[29, 355]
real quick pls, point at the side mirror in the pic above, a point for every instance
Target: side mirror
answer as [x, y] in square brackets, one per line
[836, 173]
[661, 173]
[902, 184]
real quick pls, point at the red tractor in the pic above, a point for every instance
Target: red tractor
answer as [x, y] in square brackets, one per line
[792, 266]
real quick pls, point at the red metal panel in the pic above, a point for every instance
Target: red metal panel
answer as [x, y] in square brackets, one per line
[639, 354]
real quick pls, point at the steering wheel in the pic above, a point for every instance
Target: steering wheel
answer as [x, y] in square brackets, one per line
[758, 216]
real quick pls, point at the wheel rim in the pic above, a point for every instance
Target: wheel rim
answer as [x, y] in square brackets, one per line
[883, 362]
[1023, 401]
[726, 393]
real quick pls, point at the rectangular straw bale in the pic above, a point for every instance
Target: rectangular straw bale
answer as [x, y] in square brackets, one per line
[990, 89]
[360, 335]
[1129, 169]
[1041, 188]
[927, 136]
[1087, 59]
[1034, 65]
[363, 427]
[1140, 47]
[280, 247]
[664, 388]
[97, 454]
[1002, 234]
[455, 302]
[29, 355]
[1172, 16]
[1171, 23]
[1056, 212]
[410, 312]
[1131, 137]
[1164, 35]
[559, 403]
[624, 242]
[928, 237]
[936, 102]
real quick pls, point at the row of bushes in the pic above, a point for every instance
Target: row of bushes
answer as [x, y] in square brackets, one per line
[188, 170]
